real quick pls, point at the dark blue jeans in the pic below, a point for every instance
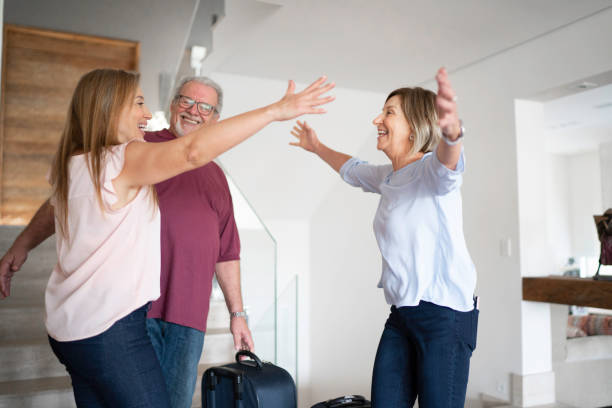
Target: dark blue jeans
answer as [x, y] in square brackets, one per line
[117, 368]
[178, 349]
[424, 351]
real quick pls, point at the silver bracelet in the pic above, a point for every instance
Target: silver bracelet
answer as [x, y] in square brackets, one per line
[458, 139]
[238, 314]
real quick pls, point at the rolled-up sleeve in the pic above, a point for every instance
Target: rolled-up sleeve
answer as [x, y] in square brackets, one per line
[359, 173]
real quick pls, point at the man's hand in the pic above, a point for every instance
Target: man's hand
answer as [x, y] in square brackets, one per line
[228, 276]
[242, 334]
[10, 263]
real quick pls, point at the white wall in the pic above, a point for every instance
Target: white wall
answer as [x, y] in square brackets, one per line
[348, 311]
[293, 262]
[605, 160]
[535, 252]
[558, 210]
[586, 201]
[573, 193]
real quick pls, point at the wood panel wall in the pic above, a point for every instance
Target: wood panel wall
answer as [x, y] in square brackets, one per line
[40, 71]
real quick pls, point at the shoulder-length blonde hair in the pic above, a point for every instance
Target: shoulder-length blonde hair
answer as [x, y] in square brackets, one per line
[91, 126]
[419, 107]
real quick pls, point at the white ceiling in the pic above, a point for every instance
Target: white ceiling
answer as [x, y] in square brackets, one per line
[379, 45]
[579, 123]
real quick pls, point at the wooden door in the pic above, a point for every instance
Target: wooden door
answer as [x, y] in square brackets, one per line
[40, 71]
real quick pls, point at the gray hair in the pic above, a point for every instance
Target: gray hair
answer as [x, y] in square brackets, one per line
[204, 81]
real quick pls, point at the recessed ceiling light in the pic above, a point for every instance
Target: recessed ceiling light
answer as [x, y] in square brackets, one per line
[564, 125]
[604, 105]
[585, 85]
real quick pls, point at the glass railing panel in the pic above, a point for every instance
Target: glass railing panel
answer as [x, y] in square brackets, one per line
[258, 274]
[286, 328]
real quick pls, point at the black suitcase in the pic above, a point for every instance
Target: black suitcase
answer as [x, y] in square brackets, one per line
[345, 401]
[248, 384]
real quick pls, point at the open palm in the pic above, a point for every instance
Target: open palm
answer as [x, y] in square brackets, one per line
[306, 136]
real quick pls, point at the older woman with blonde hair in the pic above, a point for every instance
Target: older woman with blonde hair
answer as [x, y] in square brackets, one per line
[427, 276]
[108, 230]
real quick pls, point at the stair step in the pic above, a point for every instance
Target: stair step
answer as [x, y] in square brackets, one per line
[24, 298]
[35, 385]
[28, 284]
[24, 323]
[37, 393]
[28, 360]
[218, 347]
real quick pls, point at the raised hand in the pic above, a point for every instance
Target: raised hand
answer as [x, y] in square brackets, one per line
[307, 101]
[446, 106]
[307, 137]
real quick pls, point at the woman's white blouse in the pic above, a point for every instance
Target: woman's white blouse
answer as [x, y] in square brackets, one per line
[419, 230]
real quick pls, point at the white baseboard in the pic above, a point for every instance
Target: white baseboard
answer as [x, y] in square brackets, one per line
[533, 389]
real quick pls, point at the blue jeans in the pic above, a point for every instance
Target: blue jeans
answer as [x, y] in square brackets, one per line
[117, 368]
[424, 351]
[178, 349]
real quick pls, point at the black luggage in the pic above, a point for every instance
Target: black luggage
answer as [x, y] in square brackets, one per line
[345, 401]
[248, 384]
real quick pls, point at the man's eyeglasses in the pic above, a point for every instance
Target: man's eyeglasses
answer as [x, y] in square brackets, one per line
[203, 107]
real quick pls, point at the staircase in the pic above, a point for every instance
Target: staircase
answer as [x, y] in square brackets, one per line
[30, 374]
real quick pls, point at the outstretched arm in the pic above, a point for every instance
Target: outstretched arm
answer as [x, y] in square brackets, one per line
[228, 276]
[41, 227]
[150, 163]
[448, 119]
[308, 140]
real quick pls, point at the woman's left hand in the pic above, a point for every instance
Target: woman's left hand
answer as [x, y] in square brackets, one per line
[446, 105]
[307, 101]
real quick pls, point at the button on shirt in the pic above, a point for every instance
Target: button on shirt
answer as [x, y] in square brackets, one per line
[419, 231]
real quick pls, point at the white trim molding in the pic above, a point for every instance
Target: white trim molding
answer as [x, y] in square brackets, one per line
[533, 389]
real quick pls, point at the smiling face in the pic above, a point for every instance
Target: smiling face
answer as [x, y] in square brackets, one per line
[393, 128]
[133, 118]
[186, 120]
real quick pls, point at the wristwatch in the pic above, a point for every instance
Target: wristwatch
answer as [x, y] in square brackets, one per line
[238, 314]
[458, 139]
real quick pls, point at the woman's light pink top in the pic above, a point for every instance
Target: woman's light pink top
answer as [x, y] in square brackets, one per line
[110, 265]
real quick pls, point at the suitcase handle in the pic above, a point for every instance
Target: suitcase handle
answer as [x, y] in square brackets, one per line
[252, 356]
[345, 401]
[210, 382]
[227, 371]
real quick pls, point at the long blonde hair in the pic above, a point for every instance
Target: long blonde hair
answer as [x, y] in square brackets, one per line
[91, 127]
[419, 107]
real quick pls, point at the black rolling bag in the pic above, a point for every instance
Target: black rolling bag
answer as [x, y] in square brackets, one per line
[345, 401]
[248, 384]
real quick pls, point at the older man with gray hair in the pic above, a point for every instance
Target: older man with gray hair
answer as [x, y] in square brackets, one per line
[199, 239]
